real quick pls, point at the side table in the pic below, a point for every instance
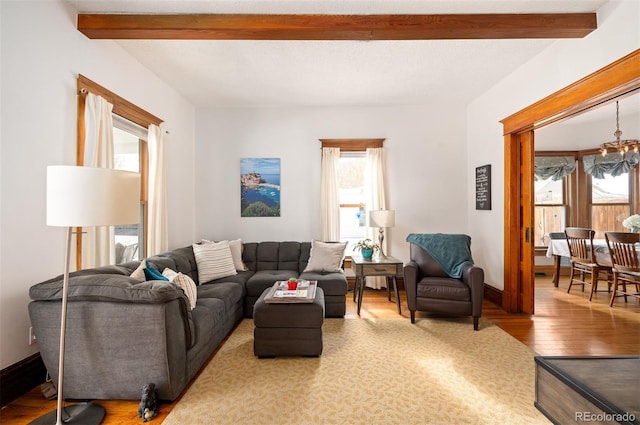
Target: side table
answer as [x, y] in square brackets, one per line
[389, 267]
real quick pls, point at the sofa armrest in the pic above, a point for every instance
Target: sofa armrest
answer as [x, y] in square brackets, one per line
[107, 287]
[113, 288]
[121, 346]
[473, 276]
[411, 277]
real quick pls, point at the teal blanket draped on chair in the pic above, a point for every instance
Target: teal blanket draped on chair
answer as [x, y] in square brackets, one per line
[451, 251]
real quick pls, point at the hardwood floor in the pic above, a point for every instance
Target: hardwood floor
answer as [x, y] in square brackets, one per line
[564, 324]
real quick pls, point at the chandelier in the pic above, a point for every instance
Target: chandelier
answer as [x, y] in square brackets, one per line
[621, 145]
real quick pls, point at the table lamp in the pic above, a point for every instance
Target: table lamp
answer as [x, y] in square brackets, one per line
[382, 219]
[80, 197]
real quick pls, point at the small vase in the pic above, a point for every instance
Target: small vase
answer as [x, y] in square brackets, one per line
[367, 254]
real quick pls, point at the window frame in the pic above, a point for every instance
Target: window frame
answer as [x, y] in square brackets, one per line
[352, 145]
[128, 111]
[569, 183]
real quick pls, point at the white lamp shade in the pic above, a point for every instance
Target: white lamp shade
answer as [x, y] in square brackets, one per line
[86, 196]
[382, 218]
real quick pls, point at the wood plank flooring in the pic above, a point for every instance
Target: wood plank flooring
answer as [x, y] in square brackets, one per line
[564, 324]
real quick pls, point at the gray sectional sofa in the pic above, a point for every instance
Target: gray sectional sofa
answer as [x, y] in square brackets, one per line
[123, 333]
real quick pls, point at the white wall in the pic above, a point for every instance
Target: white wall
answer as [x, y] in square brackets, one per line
[425, 162]
[561, 64]
[41, 57]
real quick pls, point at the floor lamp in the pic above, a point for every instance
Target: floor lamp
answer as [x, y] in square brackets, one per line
[382, 219]
[81, 197]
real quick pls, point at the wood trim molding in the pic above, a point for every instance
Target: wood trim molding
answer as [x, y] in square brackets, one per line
[121, 106]
[125, 109]
[352, 145]
[335, 27]
[493, 295]
[20, 378]
[616, 79]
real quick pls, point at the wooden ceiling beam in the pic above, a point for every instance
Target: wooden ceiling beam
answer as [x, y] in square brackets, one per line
[336, 27]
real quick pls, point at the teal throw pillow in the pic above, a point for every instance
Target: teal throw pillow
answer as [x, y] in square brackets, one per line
[151, 273]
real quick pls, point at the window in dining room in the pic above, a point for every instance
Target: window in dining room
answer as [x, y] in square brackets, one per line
[550, 210]
[610, 203]
[612, 190]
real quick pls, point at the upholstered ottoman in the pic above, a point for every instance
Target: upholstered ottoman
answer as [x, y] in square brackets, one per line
[289, 329]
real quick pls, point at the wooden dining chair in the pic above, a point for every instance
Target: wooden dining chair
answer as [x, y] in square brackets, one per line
[623, 249]
[583, 260]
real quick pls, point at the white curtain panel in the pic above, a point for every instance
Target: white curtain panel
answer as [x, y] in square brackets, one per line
[98, 248]
[329, 196]
[376, 199]
[157, 240]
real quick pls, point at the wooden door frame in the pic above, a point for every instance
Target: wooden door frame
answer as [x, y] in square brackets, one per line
[614, 80]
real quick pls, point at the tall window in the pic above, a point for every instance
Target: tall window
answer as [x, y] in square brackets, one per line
[351, 190]
[352, 197]
[610, 203]
[131, 125]
[129, 142]
[553, 174]
[550, 209]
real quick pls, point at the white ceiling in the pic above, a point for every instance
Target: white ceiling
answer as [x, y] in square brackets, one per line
[341, 73]
[329, 73]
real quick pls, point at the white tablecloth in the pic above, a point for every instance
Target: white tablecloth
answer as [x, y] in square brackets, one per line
[561, 247]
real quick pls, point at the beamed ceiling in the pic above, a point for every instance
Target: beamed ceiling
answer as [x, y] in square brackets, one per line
[338, 53]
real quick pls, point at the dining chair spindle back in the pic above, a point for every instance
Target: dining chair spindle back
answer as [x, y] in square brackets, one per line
[623, 248]
[583, 260]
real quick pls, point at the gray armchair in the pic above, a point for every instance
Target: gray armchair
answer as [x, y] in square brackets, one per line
[430, 289]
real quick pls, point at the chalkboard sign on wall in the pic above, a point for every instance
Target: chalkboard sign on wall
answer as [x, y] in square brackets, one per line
[483, 187]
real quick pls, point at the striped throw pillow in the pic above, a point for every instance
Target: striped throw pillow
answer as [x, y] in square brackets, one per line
[214, 261]
[185, 283]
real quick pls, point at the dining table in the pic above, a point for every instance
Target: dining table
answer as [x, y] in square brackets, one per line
[560, 248]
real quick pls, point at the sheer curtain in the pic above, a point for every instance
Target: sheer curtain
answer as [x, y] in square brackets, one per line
[376, 199]
[98, 248]
[157, 206]
[329, 196]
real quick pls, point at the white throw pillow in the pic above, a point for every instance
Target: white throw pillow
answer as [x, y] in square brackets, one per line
[214, 261]
[138, 273]
[185, 283]
[236, 253]
[326, 256]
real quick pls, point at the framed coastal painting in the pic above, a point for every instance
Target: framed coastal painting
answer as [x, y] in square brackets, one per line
[260, 187]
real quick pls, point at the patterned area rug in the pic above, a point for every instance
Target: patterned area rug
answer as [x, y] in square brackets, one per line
[438, 371]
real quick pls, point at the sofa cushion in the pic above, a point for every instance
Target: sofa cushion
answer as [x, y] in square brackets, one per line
[229, 292]
[443, 288]
[331, 283]
[214, 261]
[326, 256]
[264, 279]
[250, 255]
[241, 278]
[267, 256]
[185, 261]
[162, 261]
[289, 256]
